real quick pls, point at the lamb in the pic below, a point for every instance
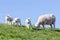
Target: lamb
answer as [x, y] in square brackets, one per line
[16, 21]
[28, 23]
[9, 19]
[47, 19]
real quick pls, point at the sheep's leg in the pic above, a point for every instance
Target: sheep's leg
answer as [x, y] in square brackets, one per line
[51, 26]
[20, 24]
[11, 23]
[43, 27]
[7, 22]
[54, 26]
[27, 26]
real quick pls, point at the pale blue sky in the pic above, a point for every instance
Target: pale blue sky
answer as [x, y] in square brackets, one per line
[29, 8]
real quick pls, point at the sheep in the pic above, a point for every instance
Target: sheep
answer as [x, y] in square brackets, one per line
[47, 19]
[16, 21]
[28, 23]
[9, 19]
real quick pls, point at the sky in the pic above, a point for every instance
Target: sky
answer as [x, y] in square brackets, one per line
[29, 9]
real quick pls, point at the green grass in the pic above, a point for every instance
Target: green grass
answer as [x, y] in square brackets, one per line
[8, 32]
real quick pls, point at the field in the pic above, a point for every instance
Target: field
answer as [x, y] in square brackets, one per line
[8, 32]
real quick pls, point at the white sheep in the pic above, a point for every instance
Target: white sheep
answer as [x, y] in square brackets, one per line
[47, 19]
[16, 21]
[9, 19]
[28, 23]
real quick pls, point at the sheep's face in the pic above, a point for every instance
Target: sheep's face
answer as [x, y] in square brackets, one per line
[37, 25]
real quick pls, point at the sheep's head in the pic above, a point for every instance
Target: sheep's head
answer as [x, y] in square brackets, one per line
[37, 25]
[8, 16]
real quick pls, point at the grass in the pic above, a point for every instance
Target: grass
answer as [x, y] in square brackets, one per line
[8, 32]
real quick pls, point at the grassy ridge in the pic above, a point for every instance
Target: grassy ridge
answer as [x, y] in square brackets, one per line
[8, 32]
